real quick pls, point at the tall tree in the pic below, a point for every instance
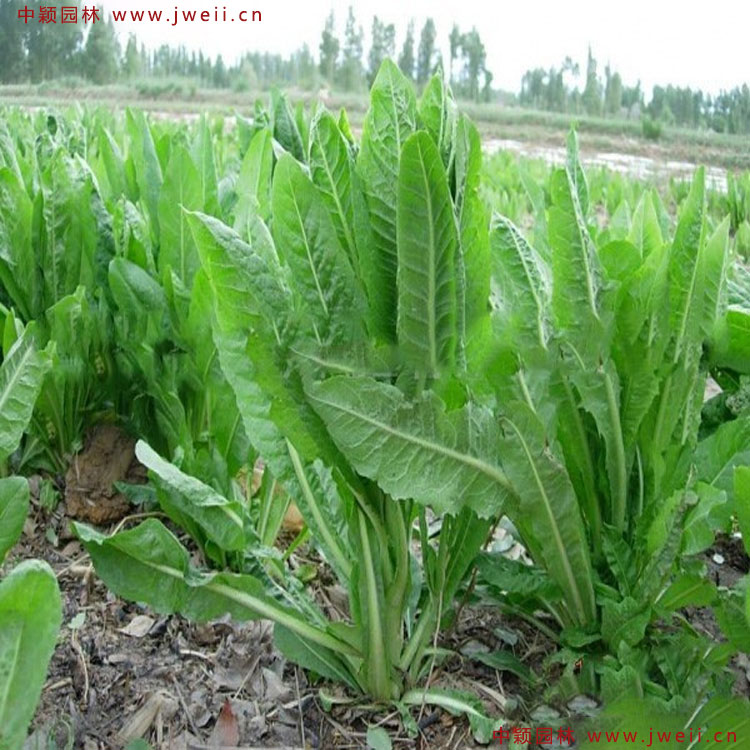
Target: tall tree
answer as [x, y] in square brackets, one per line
[101, 54]
[426, 52]
[221, 79]
[351, 62]
[329, 49]
[131, 61]
[406, 58]
[475, 57]
[304, 64]
[51, 48]
[612, 92]
[592, 94]
[455, 46]
[487, 88]
[382, 46]
[12, 49]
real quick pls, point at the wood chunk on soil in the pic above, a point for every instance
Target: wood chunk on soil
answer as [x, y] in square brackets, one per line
[108, 457]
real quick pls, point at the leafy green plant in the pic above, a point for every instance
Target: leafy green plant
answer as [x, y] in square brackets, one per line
[55, 240]
[600, 440]
[164, 352]
[30, 608]
[306, 299]
[409, 371]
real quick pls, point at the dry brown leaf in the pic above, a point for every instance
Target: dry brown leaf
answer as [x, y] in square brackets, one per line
[138, 627]
[226, 732]
[142, 720]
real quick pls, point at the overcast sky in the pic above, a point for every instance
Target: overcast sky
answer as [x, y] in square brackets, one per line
[699, 44]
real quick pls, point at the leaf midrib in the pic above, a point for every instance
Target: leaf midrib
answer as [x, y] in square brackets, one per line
[488, 470]
[559, 544]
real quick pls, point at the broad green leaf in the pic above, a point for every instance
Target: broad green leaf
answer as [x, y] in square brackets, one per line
[645, 232]
[14, 505]
[515, 577]
[473, 259]
[21, 376]
[285, 128]
[438, 113]
[642, 336]
[332, 171]
[390, 120]
[732, 616]
[321, 661]
[221, 520]
[132, 235]
[248, 278]
[181, 190]
[621, 222]
[135, 291]
[537, 198]
[203, 158]
[148, 564]
[147, 168]
[459, 704]
[547, 510]
[306, 240]
[576, 269]
[30, 618]
[687, 591]
[576, 175]
[624, 621]
[662, 522]
[446, 460]
[278, 421]
[573, 437]
[521, 287]
[599, 389]
[730, 343]
[742, 503]
[717, 455]
[254, 181]
[227, 434]
[722, 714]
[427, 245]
[685, 271]
[463, 536]
[661, 544]
[620, 683]
[712, 513]
[19, 273]
[714, 261]
[620, 559]
[506, 661]
[114, 165]
[67, 231]
[345, 126]
[303, 124]
[378, 739]
[620, 259]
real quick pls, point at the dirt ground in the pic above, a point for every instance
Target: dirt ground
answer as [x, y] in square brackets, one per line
[121, 672]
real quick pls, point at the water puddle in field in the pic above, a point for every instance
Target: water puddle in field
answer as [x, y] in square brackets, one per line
[641, 167]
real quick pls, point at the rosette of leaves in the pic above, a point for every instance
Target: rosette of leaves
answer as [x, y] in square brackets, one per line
[354, 282]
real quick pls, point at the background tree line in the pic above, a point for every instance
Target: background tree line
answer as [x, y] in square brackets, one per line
[558, 90]
[36, 52]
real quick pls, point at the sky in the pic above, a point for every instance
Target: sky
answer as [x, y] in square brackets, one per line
[685, 43]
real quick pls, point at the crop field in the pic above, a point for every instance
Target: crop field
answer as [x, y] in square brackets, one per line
[331, 431]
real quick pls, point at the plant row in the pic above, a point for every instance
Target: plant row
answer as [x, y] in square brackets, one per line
[408, 367]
